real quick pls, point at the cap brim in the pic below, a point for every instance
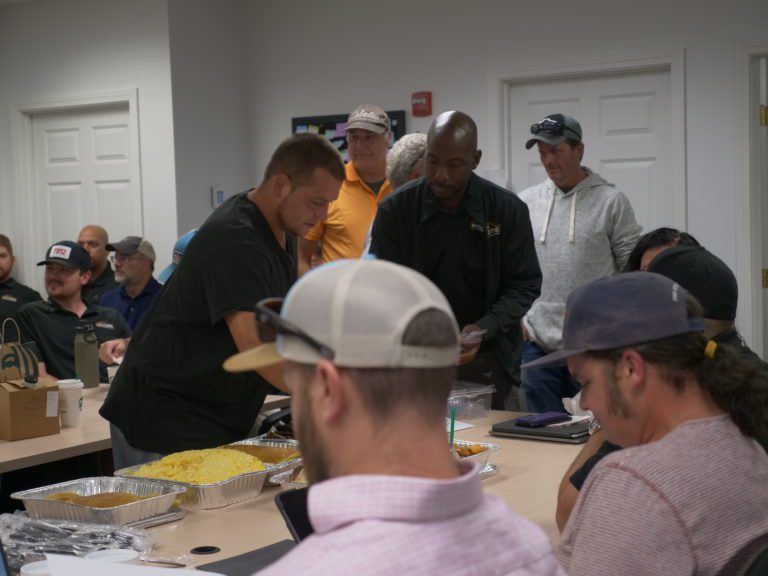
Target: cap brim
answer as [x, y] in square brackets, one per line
[378, 128]
[65, 263]
[554, 359]
[166, 273]
[551, 140]
[253, 359]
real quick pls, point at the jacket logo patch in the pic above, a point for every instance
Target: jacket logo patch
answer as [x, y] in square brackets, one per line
[489, 230]
[9, 298]
[107, 325]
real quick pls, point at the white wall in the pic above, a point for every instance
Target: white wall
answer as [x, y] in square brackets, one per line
[211, 104]
[326, 57]
[54, 48]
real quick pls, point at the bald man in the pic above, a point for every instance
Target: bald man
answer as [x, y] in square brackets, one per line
[94, 239]
[474, 240]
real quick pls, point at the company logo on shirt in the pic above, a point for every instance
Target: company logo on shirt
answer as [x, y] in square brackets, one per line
[489, 230]
[9, 298]
[105, 325]
[60, 251]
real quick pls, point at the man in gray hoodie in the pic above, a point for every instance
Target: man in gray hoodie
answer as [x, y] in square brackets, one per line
[584, 229]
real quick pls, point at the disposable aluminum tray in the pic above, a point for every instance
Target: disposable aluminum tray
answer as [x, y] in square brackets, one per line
[39, 506]
[279, 447]
[481, 457]
[209, 496]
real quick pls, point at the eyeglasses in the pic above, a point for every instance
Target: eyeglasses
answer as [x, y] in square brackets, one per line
[551, 125]
[269, 324]
[124, 257]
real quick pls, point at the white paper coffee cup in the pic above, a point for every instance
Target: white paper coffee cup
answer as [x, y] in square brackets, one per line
[70, 402]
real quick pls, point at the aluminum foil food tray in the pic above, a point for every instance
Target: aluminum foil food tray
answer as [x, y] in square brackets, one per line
[38, 504]
[278, 445]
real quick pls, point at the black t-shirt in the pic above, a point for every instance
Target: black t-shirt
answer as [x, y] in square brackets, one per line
[455, 261]
[13, 296]
[98, 286]
[171, 392]
[52, 329]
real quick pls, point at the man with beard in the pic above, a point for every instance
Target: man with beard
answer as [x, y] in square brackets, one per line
[687, 493]
[369, 349]
[13, 295]
[134, 264]
[474, 240]
[51, 325]
[171, 393]
[94, 240]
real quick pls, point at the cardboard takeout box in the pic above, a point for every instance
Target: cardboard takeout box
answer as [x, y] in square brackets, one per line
[28, 412]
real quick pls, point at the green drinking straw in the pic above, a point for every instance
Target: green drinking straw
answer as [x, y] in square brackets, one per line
[453, 419]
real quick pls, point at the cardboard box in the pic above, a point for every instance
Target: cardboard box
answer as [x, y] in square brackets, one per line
[28, 412]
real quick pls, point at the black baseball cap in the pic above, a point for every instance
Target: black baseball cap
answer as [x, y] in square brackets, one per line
[69, 254]
[702, 274]
[620, 311]
[554, 129]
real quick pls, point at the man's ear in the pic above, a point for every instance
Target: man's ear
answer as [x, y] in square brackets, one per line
[85, 277]
[633, 367]
[478, 154]
[281, 186]
[330, 395]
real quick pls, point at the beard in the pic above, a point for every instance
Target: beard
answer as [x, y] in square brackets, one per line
[310, 444]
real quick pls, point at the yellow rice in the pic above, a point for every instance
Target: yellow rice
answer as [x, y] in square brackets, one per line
[201, 466]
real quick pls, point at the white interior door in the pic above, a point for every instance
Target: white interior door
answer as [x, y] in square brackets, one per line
[762, 167]
[84, 174]
[625, 118]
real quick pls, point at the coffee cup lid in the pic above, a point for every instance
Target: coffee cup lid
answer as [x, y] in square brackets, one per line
[70, 384]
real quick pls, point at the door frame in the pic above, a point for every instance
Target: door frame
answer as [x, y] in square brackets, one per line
[749, 201]
[672, 61]
[23, 161]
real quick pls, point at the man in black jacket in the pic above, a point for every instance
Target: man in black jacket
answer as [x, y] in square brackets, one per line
[474, 240]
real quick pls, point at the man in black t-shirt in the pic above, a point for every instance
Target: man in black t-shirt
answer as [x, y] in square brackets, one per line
[171, 392]
[13, 295]
[51, 325]
[94, 240]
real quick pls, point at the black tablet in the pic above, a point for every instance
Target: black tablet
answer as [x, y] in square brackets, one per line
[576, 433]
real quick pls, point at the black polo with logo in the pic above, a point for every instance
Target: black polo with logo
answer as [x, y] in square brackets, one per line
[13, 295]
[52, 330]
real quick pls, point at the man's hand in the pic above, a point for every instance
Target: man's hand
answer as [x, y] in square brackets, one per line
[112, 351]
[471, 339]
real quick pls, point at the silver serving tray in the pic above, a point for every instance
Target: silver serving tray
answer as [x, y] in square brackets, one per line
[39, 506]
[481, 457]
[281, 467]
[209, 496]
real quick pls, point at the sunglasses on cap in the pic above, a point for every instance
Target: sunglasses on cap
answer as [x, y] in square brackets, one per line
[269, 324]
[551, 125]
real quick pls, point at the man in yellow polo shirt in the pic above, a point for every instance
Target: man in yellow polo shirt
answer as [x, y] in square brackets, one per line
[343, 232]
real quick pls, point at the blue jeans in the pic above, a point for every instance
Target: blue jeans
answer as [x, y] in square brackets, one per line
[545, 388]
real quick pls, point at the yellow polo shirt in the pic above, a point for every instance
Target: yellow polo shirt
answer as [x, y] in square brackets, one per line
[349, 218]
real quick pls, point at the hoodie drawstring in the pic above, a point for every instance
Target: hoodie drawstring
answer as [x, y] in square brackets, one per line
[572, 225]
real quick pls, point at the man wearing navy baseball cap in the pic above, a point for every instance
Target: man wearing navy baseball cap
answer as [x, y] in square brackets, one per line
[51, 325]
[688, 491]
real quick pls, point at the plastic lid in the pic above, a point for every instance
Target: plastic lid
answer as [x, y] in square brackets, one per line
[40, 567]
[113, 555]
[463, 389]
[71, 383]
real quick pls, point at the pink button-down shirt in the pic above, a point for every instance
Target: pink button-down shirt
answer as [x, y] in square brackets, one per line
[399, 525]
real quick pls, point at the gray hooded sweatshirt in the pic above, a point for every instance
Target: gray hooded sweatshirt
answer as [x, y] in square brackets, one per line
[581, 235]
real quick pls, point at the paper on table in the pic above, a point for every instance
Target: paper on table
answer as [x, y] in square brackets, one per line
[573, 420]
[457, 425]
[73, 566]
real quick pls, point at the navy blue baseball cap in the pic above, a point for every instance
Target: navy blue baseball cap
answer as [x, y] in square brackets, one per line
[69, 254]
[621, 311]
[554, 129]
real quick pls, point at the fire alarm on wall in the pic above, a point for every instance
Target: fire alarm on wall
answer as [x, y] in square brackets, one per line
[421, 103]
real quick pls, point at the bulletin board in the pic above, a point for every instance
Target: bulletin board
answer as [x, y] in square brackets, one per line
[334, 127]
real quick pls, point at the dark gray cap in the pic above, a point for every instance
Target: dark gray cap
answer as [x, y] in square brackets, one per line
[554, 129]
[621, 311]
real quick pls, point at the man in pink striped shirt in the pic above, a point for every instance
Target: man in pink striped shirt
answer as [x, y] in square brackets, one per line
[369, 349]
[687, 496]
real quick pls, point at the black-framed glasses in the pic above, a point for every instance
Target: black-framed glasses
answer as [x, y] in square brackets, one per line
[269, 324]
[551, 125]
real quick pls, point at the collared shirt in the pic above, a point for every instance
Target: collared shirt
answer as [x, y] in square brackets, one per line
[132, 309]
[13, 295]
[400, 525]
[349, 217]
[98, 286]
[52, 329]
